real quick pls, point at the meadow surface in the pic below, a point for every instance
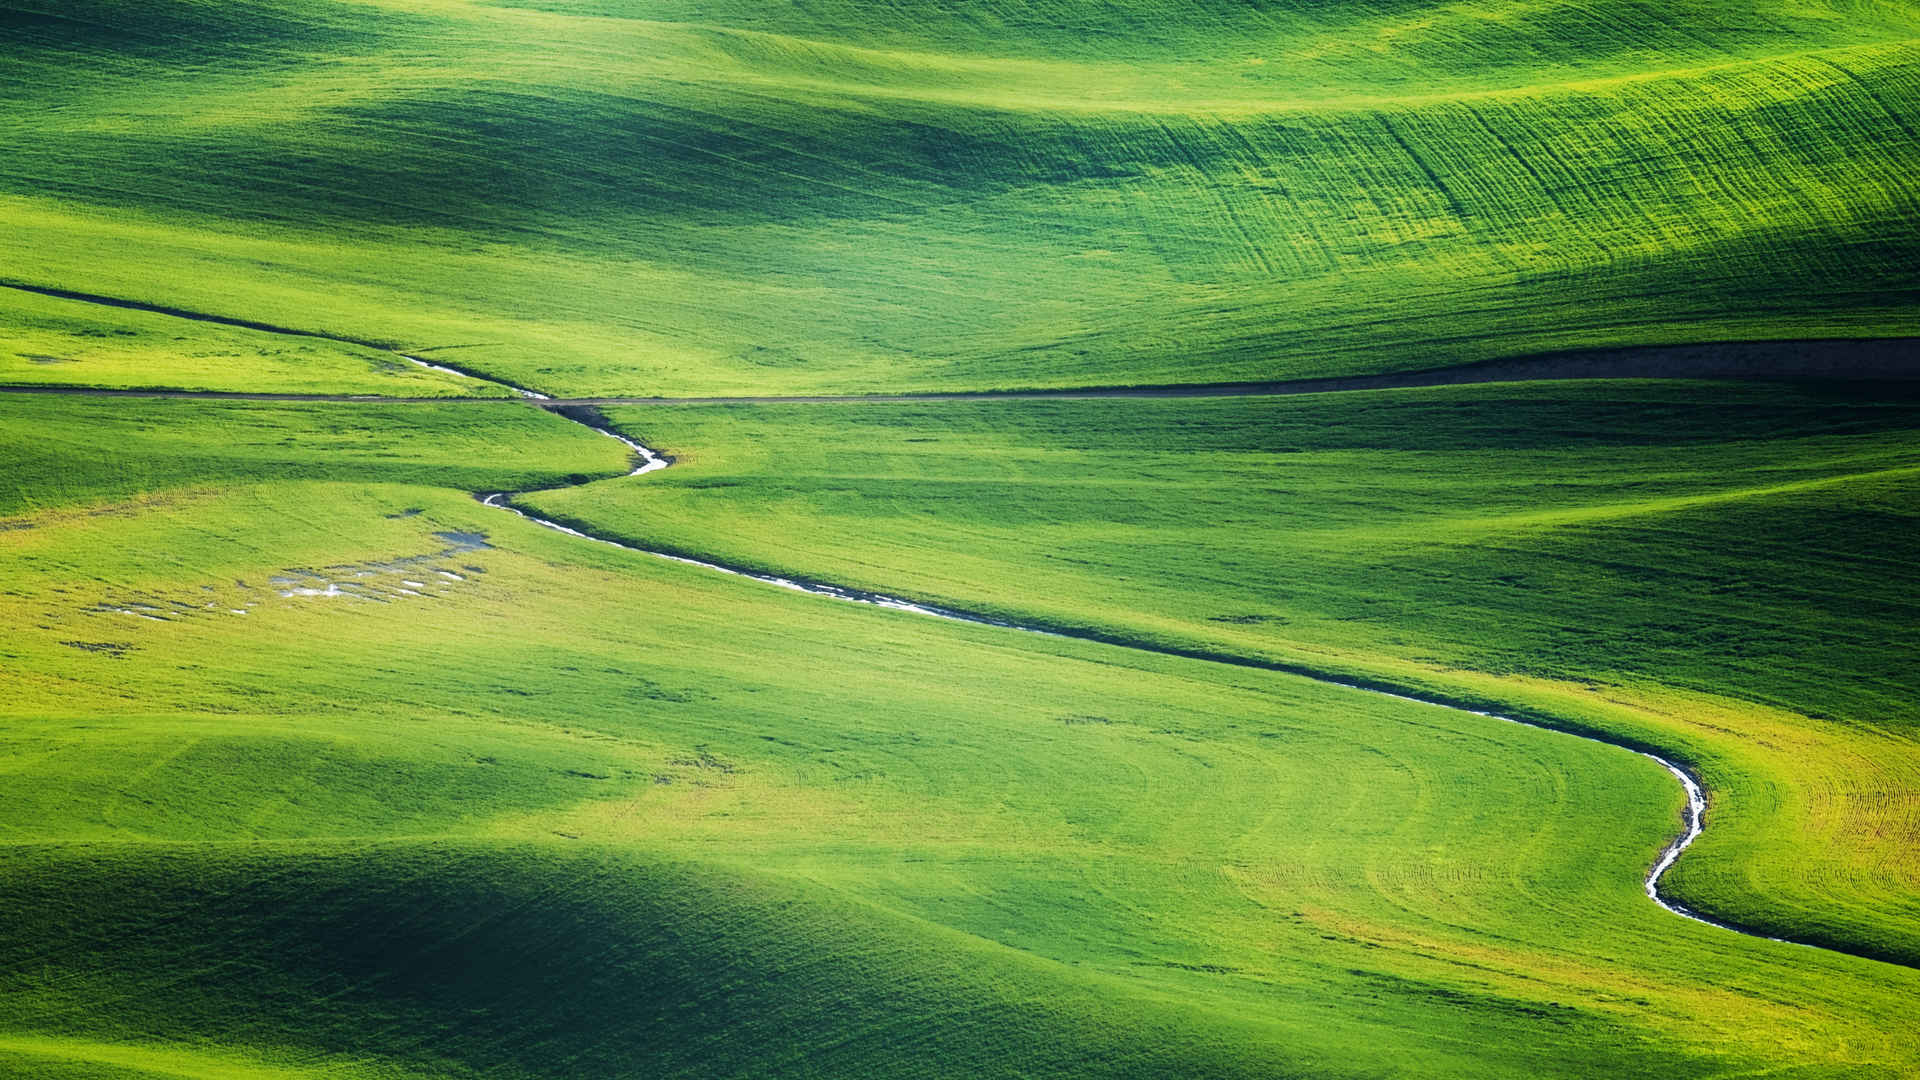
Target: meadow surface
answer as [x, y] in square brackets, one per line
[510, 803]
[313, 766]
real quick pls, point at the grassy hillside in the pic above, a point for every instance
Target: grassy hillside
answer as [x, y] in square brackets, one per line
[1720, 570]
[552, 812]
[609, 197]
[312, 765]
[51, 341]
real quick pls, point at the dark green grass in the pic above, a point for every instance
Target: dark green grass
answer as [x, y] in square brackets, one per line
[859, 197]
[1720, 571]
[540, 961]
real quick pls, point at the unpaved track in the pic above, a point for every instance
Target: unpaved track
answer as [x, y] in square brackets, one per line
[1885, 358]
[1860, 359]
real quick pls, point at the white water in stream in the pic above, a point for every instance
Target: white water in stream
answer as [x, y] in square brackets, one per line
[647, 460]
[1694, 819]
[650, 461]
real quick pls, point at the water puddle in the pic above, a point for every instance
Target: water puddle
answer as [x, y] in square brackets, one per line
[408, 577]
[136, 613]
[464, 541]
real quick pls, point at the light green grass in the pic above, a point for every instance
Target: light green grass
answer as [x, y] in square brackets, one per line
[63, 451]
[57, 342]
[1717, 570]
[771, 197]
[562, 816]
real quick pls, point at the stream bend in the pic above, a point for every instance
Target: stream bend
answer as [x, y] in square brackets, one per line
[647, 460]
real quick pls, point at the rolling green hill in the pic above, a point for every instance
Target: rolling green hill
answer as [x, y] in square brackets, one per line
[609, 198]
[313, 766]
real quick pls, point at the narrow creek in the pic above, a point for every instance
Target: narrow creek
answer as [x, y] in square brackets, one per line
[647, 460]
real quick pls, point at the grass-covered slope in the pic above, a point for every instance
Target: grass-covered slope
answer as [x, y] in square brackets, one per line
[313, 766]
[610, 197]
[55, 341]
[502, 802]
[1722, 571]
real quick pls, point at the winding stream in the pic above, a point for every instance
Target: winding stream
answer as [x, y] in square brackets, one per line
[646, 460]
[1694, 816]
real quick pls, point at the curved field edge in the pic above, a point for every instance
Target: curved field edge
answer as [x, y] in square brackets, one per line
[56, 338]
[65, 453]
[1852, 358]
[1748, 793]
[1741, 907]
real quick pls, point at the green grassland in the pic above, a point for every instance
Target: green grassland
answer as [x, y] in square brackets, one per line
[555, 813]
[311, 765]
[62, 451]
[1722, 571]
[49, 341]
[756, 197]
